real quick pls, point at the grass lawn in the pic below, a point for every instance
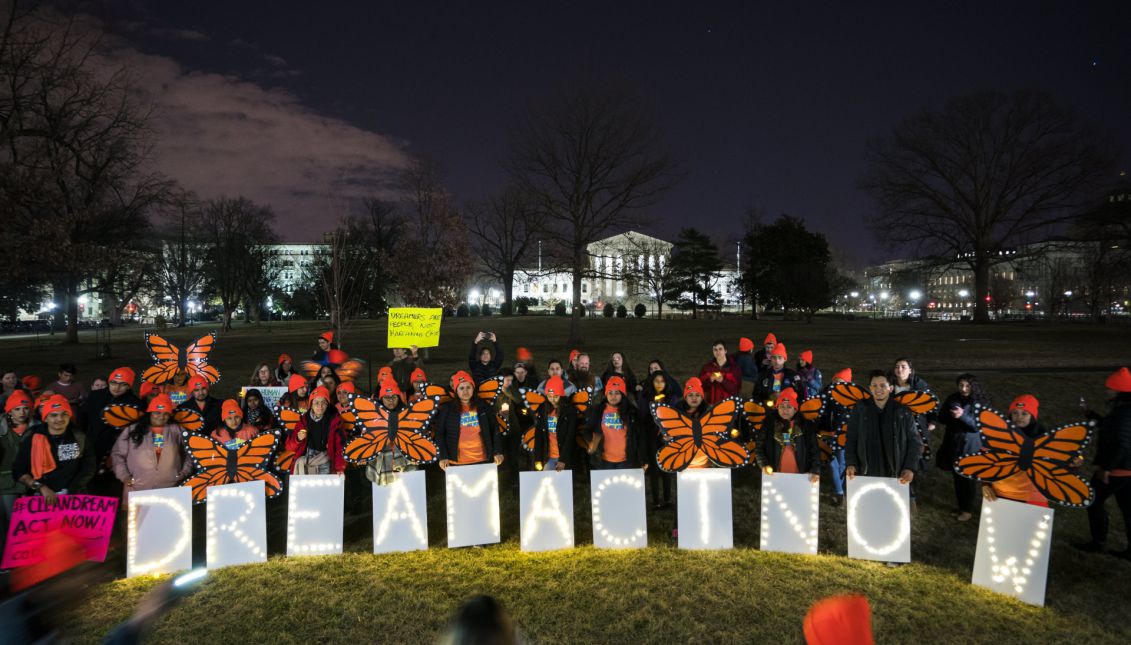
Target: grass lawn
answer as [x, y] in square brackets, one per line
[659, 594]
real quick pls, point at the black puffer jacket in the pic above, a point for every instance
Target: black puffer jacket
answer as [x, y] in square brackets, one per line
[1113, 443]
[895, 427]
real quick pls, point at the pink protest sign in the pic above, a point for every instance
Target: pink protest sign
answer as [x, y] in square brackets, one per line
[89, 519]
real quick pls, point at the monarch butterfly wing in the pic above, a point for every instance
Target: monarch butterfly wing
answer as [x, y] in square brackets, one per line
[271, 484]
[348, 420]
[437, 391]
[284, 459]
[998, 434]
[120, 415]
[416, 446]
[812, 408]
[504, 421]
[918, 402]
[188, 419]
[203, 479]
[1062, 445]
[1059, 485]
[987, 466]
[676, 455]
[257, 451]
[288, 417]
[160, 373]
[350, 370]
[672, 423]
[489, 389]
[825, 444]
[848, 394]
[309, 369]
[197, 352]
[416, 417]
[162, 350]
[205, 451]
[719, 420]
[528, 439]
[369, 413]
[754, 413]
[725, 452]
[581, 400]
[204, 371]
[533, 399]
[362, 450]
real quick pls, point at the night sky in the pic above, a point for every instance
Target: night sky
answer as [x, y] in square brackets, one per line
[302, 105]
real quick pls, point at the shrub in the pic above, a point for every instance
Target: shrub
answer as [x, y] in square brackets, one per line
[506, 309]
[474, 311]
[640, 310]
[560, 309]
[622, 312]
[523, 308]
[486, 310]
[608, 310]
[462, 311]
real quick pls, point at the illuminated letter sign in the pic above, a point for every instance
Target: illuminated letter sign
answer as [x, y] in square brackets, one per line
[1013, 550]
[159, 531]
[619, 519]
[473, 504]
[879, 519]
[704, 509]
[546, 510]
[237, 524]
[400, 514]
[315, 512]
[789, 513]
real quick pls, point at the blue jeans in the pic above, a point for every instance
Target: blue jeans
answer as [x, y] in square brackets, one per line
[551, 464]
[836, 466]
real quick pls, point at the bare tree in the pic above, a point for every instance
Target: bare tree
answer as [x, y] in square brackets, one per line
[505, 228]
[180, 266]
[987, 173]
[235, 230]
[590, 162]
[652, 271]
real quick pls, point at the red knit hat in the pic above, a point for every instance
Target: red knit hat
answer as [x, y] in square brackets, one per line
[616, 383]
[573, 354]
[230, 408]
[779, 350]
[56, 403]
[693, 384]
[32, 383]
[839, 620]
[1120, 380]
[807, 356]
[384, 373]
[745, 344]
[161, 403]
[284, 358]
[197, 381]
[770, 339]
[523, 355]
[295, 382]
[337, 356]
[844, 375]
[327, 336]
[348, 387]
[122, 375]
[461, 377]
[555, 385]
[148, 388]
[320, 393]
[788, 394]
[17, 399]
[389, 387]
[417, 376]
[1026, 402]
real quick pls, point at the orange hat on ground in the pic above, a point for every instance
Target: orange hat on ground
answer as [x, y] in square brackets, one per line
[1026, 402]
[461, 377]
[807, 356]
[389, 387]
[56, 403]
[327, 336]
[779, 350]
[555, 385]
[348, 386]
[197, 381]
[770, 339]
[295, 382]
[1120, 380]
[320, 393]
[17, 399]
[32, 383]
[839, 620]
[231, 408]
[788, 394]
[745, 344]
[616, 383]
[122, 375]
[693, 384]
[523, 355]
[148, 388]
[417, 376]
[844, 375]
[283, 358]
[161, 403]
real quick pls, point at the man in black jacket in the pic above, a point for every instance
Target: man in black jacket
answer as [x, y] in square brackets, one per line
[1113, 465]
[485, 358]
[119, 390]
[882, 440]
[207, 406]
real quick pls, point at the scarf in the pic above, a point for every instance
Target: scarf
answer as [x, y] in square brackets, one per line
[42, 457]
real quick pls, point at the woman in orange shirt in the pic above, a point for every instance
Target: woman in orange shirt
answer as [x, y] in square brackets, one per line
[616, 436]
[787, 442]
[1018, 487]
[555, 423]
[466, 429]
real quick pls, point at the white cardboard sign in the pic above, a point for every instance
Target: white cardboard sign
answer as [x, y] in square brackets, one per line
[545, 510]
[237, 524]
[473, 504]
[315, 514]
[1013, 550]
[879, 519]
[789, 513]
[400, 514]
[704, 509]
[619, 517]
[159, 531]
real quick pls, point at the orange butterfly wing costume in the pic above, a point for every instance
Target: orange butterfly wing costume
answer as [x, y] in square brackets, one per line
[533, 400]
[377, 434]
[685, 436]
[168, 359]
[218, 465]
[287, 417]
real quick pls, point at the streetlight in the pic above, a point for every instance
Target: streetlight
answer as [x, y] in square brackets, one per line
[1029, 294]
[855, 294]
[963, 293]
[884, 295]
[915, 295]
[474, 296]
[1068, 294]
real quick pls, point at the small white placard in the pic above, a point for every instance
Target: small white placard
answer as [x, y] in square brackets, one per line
[789, 513]
[704, 509]
[879, 519]
[545, 510]
[237, 524]
[159, 531]
[315, 514]
[1013, 550]
[473, 504]
[619, 517]
[400, 514]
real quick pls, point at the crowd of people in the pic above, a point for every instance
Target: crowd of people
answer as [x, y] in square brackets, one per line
[57, 438]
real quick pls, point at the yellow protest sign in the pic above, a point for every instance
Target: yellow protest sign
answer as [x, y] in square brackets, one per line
[414, 326]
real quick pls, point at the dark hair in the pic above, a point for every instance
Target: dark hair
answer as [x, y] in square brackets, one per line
[718, 341]
[650, 387]
[506, 371]
[874, 373]
[137, 433]
[69, 368]
[555, 360]
[481, 621]
[660, 363]
[609, 371]
[978, 393]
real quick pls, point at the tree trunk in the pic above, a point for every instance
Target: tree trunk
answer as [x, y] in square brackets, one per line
[753, 307]
[575, 312]
[72, 305]
[508, 292]
[181, 307]
[227, 317]
[981, 289]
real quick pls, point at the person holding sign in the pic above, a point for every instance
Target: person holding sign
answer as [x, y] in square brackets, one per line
[404, 363]
[13, 427]
[150, 453]
[317, 438]
[787, 442]
[256, 412]
[263, 376]
[555, 425]
[883, 440]
[616, 436]
[660, 388]
[466, 429]
[1018, 487]
[54, 457]
[775, 377]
